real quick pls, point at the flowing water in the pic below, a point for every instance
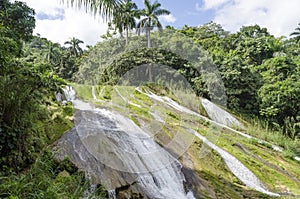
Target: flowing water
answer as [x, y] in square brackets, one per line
[113, 141]
[175, 105]
[94, 93]
[69, 93]
[236, 167]
[220, 115]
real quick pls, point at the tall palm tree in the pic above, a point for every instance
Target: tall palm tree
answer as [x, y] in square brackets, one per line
[296, 34]
[106, 8]
[125, 19]
[151, 13]
[52, 51]
[74, 47]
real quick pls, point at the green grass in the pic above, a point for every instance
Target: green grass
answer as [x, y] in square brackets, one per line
[83, 92]
[261, 159]
[104, 92]
[291, 146]
[190, 100]
[265, 163]
[215, 170]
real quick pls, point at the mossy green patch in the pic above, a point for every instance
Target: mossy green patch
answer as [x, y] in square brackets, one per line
[133, 118]
[104, 92]
[83, 92]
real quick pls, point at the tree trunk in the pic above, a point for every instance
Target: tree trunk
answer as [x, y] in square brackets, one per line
[148, 36]
[127, 36]
[150, 71]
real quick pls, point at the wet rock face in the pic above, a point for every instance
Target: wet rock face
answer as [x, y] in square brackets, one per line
[70, 145]
[116, 153]
[219, 115]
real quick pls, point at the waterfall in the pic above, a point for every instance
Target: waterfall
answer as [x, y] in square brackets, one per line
[236, 167]
[211, 108]
[119, 144]
[112, 194]
[69, 93]
[220, 115]
[94, 93]
[58, 96]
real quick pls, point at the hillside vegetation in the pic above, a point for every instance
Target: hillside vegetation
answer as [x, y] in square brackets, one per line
[251, 73]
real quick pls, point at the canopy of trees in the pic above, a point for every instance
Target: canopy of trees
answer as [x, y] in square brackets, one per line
[260, 71]
[29, 69]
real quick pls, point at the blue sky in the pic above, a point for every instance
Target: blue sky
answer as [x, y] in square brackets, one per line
[59, 23]
[185, 12]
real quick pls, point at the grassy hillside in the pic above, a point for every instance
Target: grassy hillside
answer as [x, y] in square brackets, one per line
[209, 175]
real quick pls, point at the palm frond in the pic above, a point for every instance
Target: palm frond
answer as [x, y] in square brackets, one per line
[147, 4]
[141, 26]
[155, 5]
[297, 31]
[106, 8]
[162, 12]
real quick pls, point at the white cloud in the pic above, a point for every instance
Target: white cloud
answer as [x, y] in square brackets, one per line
[211, 4]
[280, 17]
[74, 23]
[168, 18]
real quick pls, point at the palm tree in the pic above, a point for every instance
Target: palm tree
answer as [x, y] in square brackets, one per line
[296, 34]
[106, 8]
[125, 19]
[151, 13]
[52, 51]
[74, 47]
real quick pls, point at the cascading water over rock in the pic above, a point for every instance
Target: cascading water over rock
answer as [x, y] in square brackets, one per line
[117, 145]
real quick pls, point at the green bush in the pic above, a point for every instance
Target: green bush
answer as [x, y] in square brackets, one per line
[48, 178]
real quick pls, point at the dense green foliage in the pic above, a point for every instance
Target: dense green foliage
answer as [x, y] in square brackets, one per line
[260, 72]
[29, 119]
[49, 178]
[255, 67]
[158, 58]
[63, 61]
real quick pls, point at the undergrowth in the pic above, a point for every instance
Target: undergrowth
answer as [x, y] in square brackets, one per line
[259, 129]
[48, 178]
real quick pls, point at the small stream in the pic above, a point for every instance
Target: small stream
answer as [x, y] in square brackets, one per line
[236, 167]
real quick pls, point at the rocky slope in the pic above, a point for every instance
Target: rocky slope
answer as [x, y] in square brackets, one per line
[139, 144]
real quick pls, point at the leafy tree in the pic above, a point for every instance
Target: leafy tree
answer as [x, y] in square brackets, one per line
[279, 95]
[127, 61]
[25, 86]
[74, 47]
[296, 33]
[151, 13]
[52, 52]
[18, 20]
[97, 58]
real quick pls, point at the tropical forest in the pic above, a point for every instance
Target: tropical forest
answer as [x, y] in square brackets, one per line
[150, 110]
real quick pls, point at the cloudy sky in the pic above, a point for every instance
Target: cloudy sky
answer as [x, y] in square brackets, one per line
[59, 22]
